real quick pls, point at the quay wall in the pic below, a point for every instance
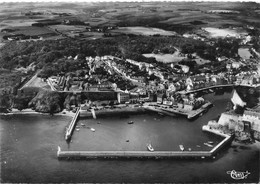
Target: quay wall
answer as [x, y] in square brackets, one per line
[110, 112]
[133, 154]
[228, 139]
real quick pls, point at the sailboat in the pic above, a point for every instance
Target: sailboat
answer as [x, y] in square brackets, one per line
[149, 147]
[181, 147]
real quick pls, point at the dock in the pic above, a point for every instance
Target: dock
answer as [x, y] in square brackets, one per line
[71, 127]
[173, 111]
[159, 110]
[147, 154]
[196, 113]
[228, 138]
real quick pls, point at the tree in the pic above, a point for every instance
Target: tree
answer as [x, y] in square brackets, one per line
[5, 101]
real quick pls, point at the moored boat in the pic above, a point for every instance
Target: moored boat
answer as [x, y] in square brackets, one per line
[181, 147]
[207, 144]
[149, 147]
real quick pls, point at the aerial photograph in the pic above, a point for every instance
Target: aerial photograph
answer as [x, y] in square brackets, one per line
[130, 92]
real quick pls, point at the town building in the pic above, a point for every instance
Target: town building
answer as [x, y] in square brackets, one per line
[123, 97]
[253, 117]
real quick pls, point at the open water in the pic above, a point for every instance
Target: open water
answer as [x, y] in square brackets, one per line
[29, 146]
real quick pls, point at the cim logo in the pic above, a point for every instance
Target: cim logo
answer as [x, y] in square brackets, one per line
[238, 175]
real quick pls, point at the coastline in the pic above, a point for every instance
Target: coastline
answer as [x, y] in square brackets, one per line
[30, 111]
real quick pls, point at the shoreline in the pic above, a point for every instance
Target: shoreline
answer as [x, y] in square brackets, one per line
[32, 112]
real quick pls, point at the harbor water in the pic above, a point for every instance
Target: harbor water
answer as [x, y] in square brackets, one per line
[29, 146]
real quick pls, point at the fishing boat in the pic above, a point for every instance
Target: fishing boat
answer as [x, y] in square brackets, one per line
[181, 147]
[149, 147]
[92, 129]
[207, 144]
[130, 122]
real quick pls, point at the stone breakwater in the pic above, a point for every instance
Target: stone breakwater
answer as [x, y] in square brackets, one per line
[147, 154]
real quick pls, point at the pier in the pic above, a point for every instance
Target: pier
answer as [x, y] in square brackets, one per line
[147, 154]
[228, 138]
[172, 111]
[132, 154]
[69, 130]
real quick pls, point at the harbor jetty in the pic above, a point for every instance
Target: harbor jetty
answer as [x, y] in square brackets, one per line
[228, 138]
[132, 154]
[172, 111]
[69, 130]
[147, 154]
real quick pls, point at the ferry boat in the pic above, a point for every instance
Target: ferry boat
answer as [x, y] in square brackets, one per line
[181, 147]
[149, 147]
[207, 144]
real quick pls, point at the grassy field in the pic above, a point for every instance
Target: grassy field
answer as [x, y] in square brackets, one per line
[166, 58]
[170, 16]
[31, 30]
[143, 31]
[215, 32]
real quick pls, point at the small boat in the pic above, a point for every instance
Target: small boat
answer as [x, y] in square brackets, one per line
[149, 147]
[211, 90]
[130, 122]
[181, 147]
[198, 146]
[207, 144]
[210, 142]
[189, 149]
[77, 129]
[92, 129]
[82, 124]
